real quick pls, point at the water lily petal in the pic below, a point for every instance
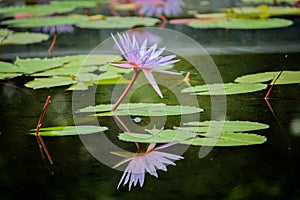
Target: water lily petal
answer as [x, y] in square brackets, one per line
[152, 81]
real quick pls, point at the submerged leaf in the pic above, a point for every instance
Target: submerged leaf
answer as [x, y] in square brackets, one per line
[142, 109]
[69, 130]
[226, 88]
[286, 77]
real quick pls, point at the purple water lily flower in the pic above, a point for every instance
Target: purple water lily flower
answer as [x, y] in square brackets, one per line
[141, 59]
[55, 29]
[149, 161]
[160, 7]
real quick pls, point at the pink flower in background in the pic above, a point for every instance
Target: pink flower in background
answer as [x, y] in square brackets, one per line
[149, 161]
[160, 7]
[55, 29]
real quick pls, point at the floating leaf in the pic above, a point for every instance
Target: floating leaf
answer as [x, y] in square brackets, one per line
[23, 38]
[69, 130]
[221, 140]
[142, 109]
[118, 22]
[223, 126]
[45, 21]
[229, 139]
[8, 37]
[160, 136]
[35, 10]
[286, 77]
[228, 88]
[262, 11]
[33, 65]
[77, 4]
[87, 60]
[53, 81]
[231, 23]
[6, 67]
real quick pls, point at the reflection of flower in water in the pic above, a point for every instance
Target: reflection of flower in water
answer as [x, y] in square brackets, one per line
[142, 162]
[160, 7]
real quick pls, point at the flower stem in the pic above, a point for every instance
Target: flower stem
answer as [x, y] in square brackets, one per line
[135, 75]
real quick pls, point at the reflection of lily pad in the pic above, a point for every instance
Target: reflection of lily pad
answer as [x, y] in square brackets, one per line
[286, 77]
[228, 88]
[8, 37]
[69, 130]
[118, 22]
[231, 23]
[142, 109]
[46, 21]
[223, 139]
[223, 126]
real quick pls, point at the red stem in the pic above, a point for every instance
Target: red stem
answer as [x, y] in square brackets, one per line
[135, 75]
[52, 43]
[40, 140]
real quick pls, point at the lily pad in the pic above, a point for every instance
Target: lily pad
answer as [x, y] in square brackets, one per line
[229, 140]
[77, 4]
[231, 23]
[34, 65]
[69, 130]
[224, 126]
[142, 109]
[286, 77]
[49, 82]
[118, 22]
[36, 10]
[22, 38]
[45, 21]
[221, 140]
[228, 88]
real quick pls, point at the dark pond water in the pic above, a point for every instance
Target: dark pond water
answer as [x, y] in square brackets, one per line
[266, 171]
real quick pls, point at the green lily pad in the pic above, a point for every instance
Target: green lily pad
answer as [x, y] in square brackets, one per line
[35, 10]
[69, 130]
[8, 37]
[142, 109]
[88, 60]
[6, 67]
[49, 82]
[232, 23]
[286, 77]
[34, 65]
[228, 88]
[77, 4]
[118, 22]
[224, 126]
[220, 140]
[46, 21]
[157, 136]
[22, 38]
[229, 140]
